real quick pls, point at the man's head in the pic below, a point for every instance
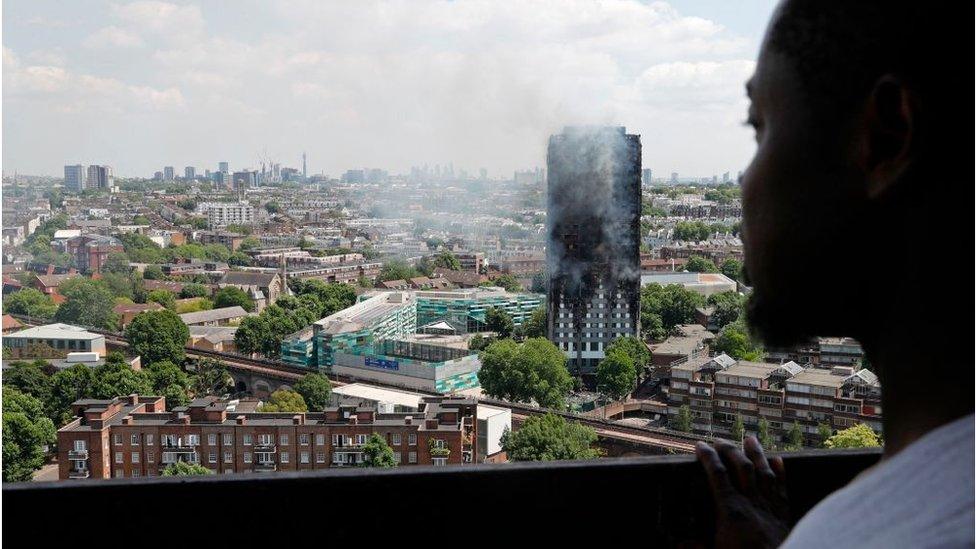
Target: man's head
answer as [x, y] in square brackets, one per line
[846, 106]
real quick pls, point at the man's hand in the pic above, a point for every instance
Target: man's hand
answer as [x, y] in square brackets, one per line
[749, 492]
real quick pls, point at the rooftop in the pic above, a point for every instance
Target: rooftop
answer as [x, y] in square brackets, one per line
[212, 315]
[759, 370]
[55, 331]
[820, 377]
[362, 314]
[377, 394]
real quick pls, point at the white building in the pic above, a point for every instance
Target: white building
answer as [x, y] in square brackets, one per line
[492, 424]
[221, 214]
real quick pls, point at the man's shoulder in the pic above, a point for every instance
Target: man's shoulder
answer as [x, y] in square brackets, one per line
[922, 496]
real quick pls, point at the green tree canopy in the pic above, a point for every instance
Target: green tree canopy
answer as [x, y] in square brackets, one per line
[194, 289]
[535, 326]
[284, 401]
[697, 264]
[499, 321]
[88, 303]
[315, 389]
[158, 336]
[117, 262]
[549, 438]
[762, 433]
[184, 469]
[116, 378]
[331, 297]
[616, 375]
[67, 386]
[673, 304]
[29, 378]
[377, 453]
[163, 297]
[729, 307]
[26, 432]
[732, 268]
[794, 439]
[506, 281]
[30, 302]
[535, 370]
[211, 378]
[738, 429]
[858, 436]
[397, 270]
[230, 296]
[170, 381]
[735, 341]
[633, 348]
[682, 421]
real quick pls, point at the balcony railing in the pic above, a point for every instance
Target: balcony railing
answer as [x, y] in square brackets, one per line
[651, 501]
[77, 454]
[78, 474]
[265, 447]
[265, 466]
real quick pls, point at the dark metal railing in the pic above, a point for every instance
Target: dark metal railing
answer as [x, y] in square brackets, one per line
[653, 501]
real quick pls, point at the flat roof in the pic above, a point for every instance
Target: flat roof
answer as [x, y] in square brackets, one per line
[485, 411]
[817, 376]
[55, 331]
[742, 368]
[377, 394]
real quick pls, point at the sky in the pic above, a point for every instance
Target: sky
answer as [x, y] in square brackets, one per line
[385, 84]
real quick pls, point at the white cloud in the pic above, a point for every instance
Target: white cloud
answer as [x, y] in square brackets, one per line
[113, 37]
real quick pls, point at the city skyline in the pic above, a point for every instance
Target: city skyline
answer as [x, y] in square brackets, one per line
[147, 84]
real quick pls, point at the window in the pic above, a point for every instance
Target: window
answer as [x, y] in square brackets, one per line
[247, 440]
[284, 457]
[135, 473]
[151, 457]
[117, 439]
[228, 457]
[439, 461]
[412, 440]
[360, 440]
[119, 473]
[134, 439]
[118, 457]
[303, 439]
[80, 445]
[303, 457]
[228, 439]
[397, 457]
[412, 457]
[193, 440]
[319, 440]
[320, 457]
[397, 440]
[135, 457]
[150, 439]
[247, 457]
[266, 439]
[212, 439]
[212, 457]
[284, 440]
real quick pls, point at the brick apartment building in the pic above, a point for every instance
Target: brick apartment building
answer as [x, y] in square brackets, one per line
[824, 352]
[718, 389]
[135, 436]
[90, 252]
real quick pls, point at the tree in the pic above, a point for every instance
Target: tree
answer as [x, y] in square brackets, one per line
[735, 341]
[697, 264]
[67, 386]
[29, 378]
[479, 342]
[88, 303]
[728, 308]
[506, 281]
[765, 439]
[794, 439]
[194, 289]
[377, 453]
[118, 263]
[30, 302]
[163, 297]
[211, 378]
[535, 370]
[539, 283]
[116, 378]
[26, 433]
[184, 469]
[682, 422]
[331, 297]
[858, 436]
[633, 348]
[824, 432]
[738, 429]
[616, 375]
[499, 321]
[230, 296]
[157, 336]
[315, 389]
[397, 270]
[535, 326]
[549, 438]
[732, 268]
[284, 401]
[251, 334]
[153, 272]
[170, 381]
[673, 304]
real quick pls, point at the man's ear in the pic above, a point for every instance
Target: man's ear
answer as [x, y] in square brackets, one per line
[888, 137]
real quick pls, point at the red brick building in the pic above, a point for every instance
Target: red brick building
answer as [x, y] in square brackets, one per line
[90, 252]
[135, 436]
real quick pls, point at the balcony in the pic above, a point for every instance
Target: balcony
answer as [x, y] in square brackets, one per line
[77, 454]
[650, 501]
[265, 447]
[265, 467]
[184, 449]
[79, 474]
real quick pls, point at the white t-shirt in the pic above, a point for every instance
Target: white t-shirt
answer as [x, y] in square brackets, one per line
[920, 497]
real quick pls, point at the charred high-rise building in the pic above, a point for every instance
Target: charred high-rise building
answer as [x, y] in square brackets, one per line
[593, 246]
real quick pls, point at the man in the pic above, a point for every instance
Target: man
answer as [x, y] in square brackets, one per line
[850, 206]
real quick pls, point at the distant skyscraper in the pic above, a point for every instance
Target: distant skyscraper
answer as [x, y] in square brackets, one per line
[245, 180]
[593, 247]
[189, 172]
[169, 173]
[75, 177]
[725, 177]
[646, 177]
[674, 177]
[224, 167]
[99, 177]
[304, 166]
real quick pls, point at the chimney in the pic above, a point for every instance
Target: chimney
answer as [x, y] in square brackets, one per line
[127, 420]
[241, 420]
[408, 420]
[133, 399]
[183, 418]
[298, 420]
[353, 419]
